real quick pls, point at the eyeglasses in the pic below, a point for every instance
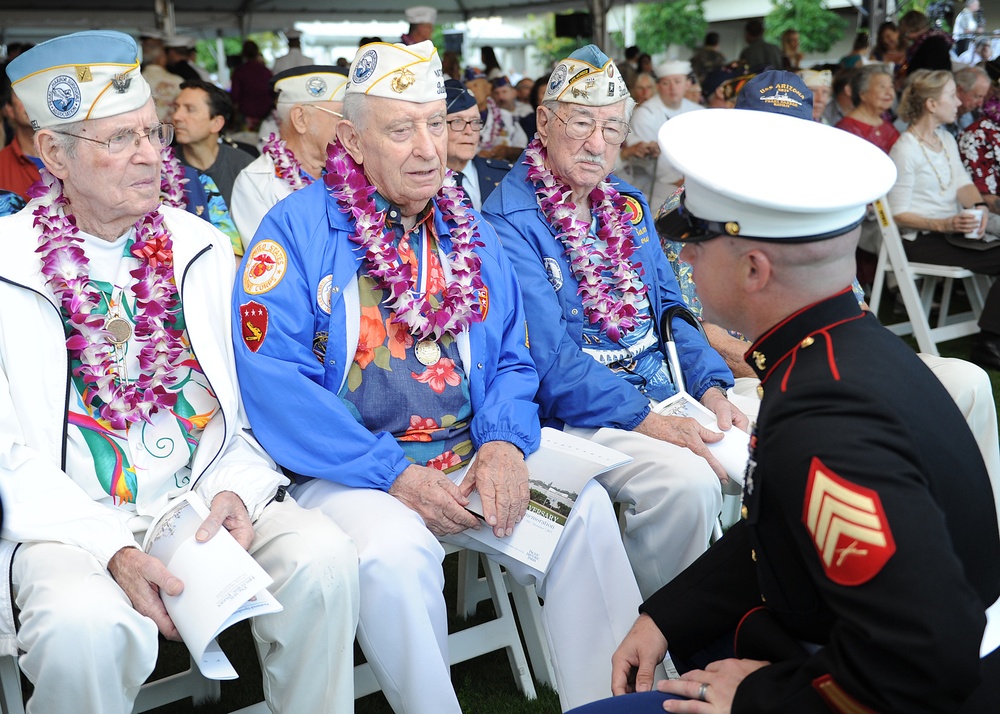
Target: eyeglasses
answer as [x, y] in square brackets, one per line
[459, 125]
[324, 109]
[582, 127]
[159, 135]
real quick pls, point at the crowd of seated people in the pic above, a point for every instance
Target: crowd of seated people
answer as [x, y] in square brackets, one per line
[538, 317]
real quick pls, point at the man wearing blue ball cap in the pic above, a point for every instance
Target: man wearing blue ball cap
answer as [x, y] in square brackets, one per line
[478, 176]
[118, 397]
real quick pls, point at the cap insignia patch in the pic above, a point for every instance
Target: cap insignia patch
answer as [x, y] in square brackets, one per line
[121, 82]
[402, 81]
[63, 96]
[83, 74]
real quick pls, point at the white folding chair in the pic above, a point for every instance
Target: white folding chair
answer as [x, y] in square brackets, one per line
[892, 260]
[172, 688]
[495, 634]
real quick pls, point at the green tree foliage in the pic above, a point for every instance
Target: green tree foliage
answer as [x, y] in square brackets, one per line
[674, 22]
[549, 48]
[819, 28]
[234, 46]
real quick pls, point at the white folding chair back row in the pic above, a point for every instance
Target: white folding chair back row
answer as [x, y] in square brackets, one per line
[892, 260]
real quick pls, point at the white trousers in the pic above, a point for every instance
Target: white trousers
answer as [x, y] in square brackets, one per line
[672, 500]
[590, 597]
[87, 650]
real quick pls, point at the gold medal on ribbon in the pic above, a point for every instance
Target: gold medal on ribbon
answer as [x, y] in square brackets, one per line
[120, 330]
[427, 352]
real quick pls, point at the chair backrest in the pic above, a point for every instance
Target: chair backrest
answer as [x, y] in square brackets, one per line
[892, 259]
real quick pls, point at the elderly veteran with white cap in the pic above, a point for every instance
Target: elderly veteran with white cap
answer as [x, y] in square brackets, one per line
[477, 176]
[390, 317]
[310, 105]
[119, 397]
[859, 576]
[669, 101]
[596, 286]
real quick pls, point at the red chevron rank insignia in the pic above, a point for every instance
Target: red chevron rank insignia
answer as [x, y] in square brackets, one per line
[848, 526]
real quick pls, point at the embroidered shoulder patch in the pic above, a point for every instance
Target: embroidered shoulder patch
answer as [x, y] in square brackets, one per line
[848, 526]
[634, 214]
[484, 302]
[253, 320]
[265, 267]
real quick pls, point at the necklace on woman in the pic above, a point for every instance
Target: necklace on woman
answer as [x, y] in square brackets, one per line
[602, 267]
[286, 166]
[459, 305]
[941, 183]
[93, 338]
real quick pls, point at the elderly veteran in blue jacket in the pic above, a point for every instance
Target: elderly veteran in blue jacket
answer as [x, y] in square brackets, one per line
[596, 284]
[380, 340]
[118, 398]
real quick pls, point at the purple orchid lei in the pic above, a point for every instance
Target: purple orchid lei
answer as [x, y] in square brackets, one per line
[286, 166]
[65, 267]
[459, 306]
[172, 179]
[498, 126]
[611, 298]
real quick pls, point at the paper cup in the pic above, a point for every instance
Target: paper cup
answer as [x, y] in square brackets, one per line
[978, 213]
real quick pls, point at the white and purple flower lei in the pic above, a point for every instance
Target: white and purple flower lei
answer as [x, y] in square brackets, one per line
[172, 179]
[460, 306]
[65, 266]
[286, 166]
[609, 299]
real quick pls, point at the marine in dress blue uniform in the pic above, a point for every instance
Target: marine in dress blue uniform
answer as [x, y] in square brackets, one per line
[868, 552]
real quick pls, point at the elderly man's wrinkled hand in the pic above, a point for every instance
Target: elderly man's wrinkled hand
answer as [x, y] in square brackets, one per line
[634, 662]
[686, 432]
[501, 477]
[727, 413]
[438, 501]
[143, 578]
[229, 512]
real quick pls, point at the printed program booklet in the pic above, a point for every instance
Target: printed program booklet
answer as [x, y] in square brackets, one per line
[734, 449]
[557, 472]
[223, 584]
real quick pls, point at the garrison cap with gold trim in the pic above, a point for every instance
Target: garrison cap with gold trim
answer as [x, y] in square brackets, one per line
[588, 77]
[768, 177]
[86, 75]
[310, 83]
[395, 71]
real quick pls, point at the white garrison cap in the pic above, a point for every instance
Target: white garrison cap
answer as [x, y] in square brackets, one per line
[411, 73]
[420, 15]
[179, 42]
[292, 34]
[311, 83]
[86, 75]
[589, 77]
[670, 67]
[774, 177]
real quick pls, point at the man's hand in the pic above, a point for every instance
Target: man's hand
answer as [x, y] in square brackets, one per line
[725, 411]
[722, 678]
[501, 477]
[633, 663]
[438, 501]
[143, 578]
[686, 432]
[228, 511]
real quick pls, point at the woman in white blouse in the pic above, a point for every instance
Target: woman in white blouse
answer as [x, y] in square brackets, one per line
[932, 190]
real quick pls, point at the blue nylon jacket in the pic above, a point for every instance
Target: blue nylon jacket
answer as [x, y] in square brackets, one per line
[291, 395]
[575, 389]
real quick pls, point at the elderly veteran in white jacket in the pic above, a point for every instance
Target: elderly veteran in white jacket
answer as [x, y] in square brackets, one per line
[310, 105]
[118, 395]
